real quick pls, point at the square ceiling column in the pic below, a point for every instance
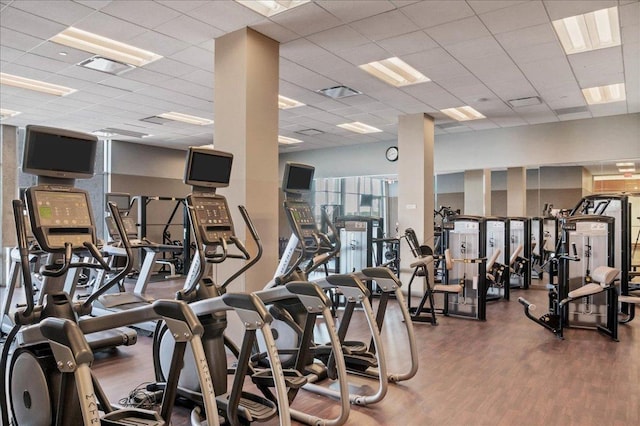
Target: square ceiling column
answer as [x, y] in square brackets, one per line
[246, 124]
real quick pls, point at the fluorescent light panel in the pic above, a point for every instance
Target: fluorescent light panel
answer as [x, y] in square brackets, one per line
[605, 94]
[103, 46]
[590, 31]
[7, 113]
[38, 86]
[395, 72]
[463, 113]
[286, 103]
[359, 127]
[288, 141]
[626, 164]
[185, 118]
[271, 7]
[627, 170]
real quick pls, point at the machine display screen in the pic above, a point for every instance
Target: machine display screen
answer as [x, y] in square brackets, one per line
[130, 226]
[299, 178]
[62, 209]
[49, 152]
[208, 168]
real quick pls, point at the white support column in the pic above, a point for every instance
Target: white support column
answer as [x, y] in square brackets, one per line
[9, 188]
[516, 191]
[477, 192]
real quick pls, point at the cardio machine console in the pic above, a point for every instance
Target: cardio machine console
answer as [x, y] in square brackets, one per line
[300, 214]
[214, 220]
[60, 216]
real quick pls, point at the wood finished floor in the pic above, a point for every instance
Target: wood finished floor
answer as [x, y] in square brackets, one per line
[505, 371]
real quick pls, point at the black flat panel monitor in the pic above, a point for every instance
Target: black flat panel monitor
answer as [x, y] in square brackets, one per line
[208, 168]
[59, 153]
[297, 178]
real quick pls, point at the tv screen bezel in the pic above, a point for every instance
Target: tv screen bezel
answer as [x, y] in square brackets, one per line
[287, 172]
[210, 152]
[30, 130]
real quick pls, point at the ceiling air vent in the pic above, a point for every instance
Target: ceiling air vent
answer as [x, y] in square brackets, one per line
[339, 92]
[98, 63]
[310, 132]
[155, 120]
[449, 126]
[571, 110]
[523, 102]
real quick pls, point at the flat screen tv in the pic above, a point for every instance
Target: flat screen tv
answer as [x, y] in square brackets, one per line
[297, 178]
[121, 199]
[59, 153]
[208, 168]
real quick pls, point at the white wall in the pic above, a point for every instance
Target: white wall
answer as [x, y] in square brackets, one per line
[146, 160]
[576, 141]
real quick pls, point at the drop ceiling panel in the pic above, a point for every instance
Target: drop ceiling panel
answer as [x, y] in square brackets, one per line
[538, 72]
[188, 30]
[338, 38]
[326, 64]
[52, 50]
[228, 15]
[353, 11]
[538, 52]
[493, 68]
[109, 26]
[613, 108]
[94, 4]
[306, 19]
[275, 31]
[428, 14]
[588, 66]
[484, 6]
[63, 12]
[196, 57]
[27, 72]
[183, 5]
[158, 43]
[385, 25]
[27, 23]
[9, 54]
[170, 67]
[300, 49]
[191, 89]
[301, 76]
[146, 13]
[475, 49]
[105, 92]
[563, 9]
[512, 89]
[433, 95]
[521, 39]
[40, 63]
[201, 77]
[406, 44]
[629, 14]
[146, 76]
[18, 40]
[364, 54]
[511, 18]
[450, 34]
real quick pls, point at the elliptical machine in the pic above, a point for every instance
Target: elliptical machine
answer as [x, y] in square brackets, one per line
[213, 229]
[49, 377]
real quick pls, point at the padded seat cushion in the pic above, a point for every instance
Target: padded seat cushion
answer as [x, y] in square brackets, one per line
[448, 288]
[629, 299]
[586, 290]
[604, 275]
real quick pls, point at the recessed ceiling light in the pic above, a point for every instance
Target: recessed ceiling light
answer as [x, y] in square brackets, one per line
[288, 141]
[590, 31]
[627, 170]
[358, 127]
[395, 71]
[38, 86]
[286, 103]
[271, 7]
[626, 164]
[191, 119]
[338, 92]
[604, 94]
[103, 46]
[463, 113]
[7, 113]
[112, 131]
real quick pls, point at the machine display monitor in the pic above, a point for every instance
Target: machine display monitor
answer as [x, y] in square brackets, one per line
[208, 168]
[62, 209]
[298, 178]
[59, 153]
[122, 200]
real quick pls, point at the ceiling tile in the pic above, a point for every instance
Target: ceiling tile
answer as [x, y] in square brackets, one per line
[201, 77]
[405, 44]
[228, 15]
[449, 34]
[428, 14]
[18, 40]
[52, 50]
[385, 25]
[183, 5]
[63, 12]
[597, 63]
[348, 11]
[191, 89]
[538, 52]
[195, 56]
[525, 37]
[94, 4]
[27, 23]
[338, 38]
[306, 19]
[123, 83]
[275, 31]
[188, 30]
[145, 13]
[538, 72]
[515, 17]
[363, 54]
[484, 6]
[40, 63]
[493, 68]
[475, 49]
[558, 9]
[108, 26]
[299, 49]
[629, 14]
[170, 67]
[9, 54]
[433, 95]
[303, 77]
[146, 76]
